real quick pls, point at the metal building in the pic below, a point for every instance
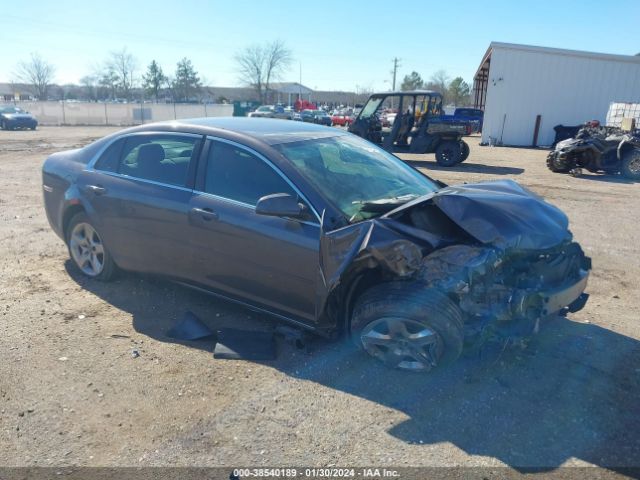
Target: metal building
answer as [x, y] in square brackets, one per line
[525, 91]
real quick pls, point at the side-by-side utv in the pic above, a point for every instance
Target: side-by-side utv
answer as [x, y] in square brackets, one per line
[417, 127]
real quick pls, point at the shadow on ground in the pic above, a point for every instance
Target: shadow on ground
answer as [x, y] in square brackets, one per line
[600, 177]
[466, 167]
[574, 392]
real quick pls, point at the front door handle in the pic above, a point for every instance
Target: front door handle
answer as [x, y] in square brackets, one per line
[206, 213]
[97, 189]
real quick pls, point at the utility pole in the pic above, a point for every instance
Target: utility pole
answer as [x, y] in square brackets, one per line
[396, 64]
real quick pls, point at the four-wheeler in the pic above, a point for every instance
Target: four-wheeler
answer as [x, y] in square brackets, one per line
[417, 128]
[598, 150]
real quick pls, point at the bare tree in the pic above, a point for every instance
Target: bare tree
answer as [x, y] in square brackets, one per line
[259, 65]
[90, 84]
[122, 66]
[439, 82]
[38, 73]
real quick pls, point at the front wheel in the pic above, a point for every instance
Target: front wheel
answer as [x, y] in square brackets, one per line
[87, 250]
[448, 154]
[408, 326]
[557, 164]
[630, 167]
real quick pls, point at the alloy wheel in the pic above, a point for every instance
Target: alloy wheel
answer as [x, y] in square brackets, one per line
[402, 343]
[87, 249]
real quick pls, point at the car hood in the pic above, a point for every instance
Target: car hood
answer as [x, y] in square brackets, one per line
[17, 116]
[500, 213]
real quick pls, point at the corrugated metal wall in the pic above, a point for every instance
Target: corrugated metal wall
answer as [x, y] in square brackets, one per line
[564, 89]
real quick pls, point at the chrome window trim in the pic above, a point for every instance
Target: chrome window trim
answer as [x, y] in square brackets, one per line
[274, 168]
[144, 180]
[91, 165]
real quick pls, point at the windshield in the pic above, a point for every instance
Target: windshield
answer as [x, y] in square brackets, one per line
[359, 178]
[370, 108]
[11, 110]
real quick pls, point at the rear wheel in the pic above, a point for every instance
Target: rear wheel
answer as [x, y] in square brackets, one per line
[448, 154]
[465, 150]
[630, 167]
[408, 326]
[87, 250]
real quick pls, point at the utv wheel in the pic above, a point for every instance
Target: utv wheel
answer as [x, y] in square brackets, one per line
[408, 326]
[557, 165]
[630, 167]
[465, 150]
[448, 154]
[86, 249]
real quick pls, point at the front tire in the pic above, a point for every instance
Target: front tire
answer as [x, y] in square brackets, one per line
[87, 251]
[630, 166]
[557, 165]
[448, 154]
[408, 326]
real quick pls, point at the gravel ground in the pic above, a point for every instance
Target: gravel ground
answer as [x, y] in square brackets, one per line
[71, 393]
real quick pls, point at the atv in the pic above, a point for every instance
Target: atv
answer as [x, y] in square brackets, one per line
[599, 150]
[417, 128]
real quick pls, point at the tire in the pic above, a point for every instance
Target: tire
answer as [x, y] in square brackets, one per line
[87, 251]
[3, 125]
[448, 154]
[432, 336]
[465, 150]
[557, 165]
[630, 166]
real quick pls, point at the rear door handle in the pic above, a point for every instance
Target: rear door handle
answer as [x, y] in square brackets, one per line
[206, 213]
[97, 189]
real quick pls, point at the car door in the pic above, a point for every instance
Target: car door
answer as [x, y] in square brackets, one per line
[263, 260]
[139, 192]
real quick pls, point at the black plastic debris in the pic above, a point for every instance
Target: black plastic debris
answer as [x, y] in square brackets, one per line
[293, 336]
[245, 345]
[190, 328]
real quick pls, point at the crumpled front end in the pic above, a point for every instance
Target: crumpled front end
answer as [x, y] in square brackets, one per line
[502, 253]
[508, 291]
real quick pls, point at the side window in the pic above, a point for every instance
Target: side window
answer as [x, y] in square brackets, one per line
[161, 158]
[236, 174]
[108, 161]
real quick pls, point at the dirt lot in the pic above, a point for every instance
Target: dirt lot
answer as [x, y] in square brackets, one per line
[71, 393]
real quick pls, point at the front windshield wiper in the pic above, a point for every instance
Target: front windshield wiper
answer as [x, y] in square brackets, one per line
[384, 204]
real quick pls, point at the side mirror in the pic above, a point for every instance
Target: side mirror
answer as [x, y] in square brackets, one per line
[280, 205]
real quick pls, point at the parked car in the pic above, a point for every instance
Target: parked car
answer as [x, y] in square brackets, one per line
[308, 116]
[341, 118]
[265, 111]
[321, 118]
[12, 117]
[251, 209]
[282, 113]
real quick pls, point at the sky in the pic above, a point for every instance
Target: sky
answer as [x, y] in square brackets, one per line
[337, 45]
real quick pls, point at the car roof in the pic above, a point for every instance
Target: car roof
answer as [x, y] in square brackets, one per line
[433, 93]
[266, 130]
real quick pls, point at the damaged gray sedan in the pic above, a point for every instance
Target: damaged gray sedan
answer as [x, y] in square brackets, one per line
[321, 229]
